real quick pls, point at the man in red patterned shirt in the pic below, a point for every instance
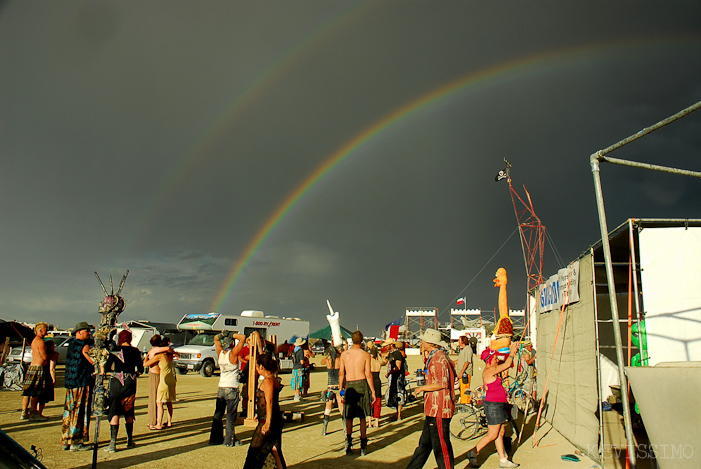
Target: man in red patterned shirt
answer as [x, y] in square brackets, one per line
[439, 404]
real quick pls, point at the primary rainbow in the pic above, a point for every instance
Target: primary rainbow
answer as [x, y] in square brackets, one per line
[489, 77]
[492, 76]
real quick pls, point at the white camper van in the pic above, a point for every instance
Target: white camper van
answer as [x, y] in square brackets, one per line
[200, 354]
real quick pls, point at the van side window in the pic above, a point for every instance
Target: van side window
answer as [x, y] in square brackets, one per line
[230, 321]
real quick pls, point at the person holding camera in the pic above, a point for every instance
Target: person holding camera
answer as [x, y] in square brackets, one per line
[228, 347]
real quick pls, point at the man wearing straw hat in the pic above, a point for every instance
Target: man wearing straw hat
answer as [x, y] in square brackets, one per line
[528, 357]
[439, 404]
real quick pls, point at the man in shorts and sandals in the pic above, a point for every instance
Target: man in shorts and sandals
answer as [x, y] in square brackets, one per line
[355, 378]
[298, 372]
[35, 379]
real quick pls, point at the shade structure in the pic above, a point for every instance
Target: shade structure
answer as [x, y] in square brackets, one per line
[15, 331]
[325, 333]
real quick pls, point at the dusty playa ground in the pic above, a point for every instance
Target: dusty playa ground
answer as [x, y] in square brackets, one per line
[186, 444]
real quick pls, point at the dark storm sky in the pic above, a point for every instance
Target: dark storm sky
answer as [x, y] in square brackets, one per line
[161, 137]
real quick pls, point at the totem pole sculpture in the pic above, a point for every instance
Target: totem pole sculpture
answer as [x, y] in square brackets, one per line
[110, 308]
[504, 329]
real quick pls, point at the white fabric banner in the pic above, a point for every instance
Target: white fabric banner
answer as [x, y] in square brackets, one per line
[551, 294]
[670, 259]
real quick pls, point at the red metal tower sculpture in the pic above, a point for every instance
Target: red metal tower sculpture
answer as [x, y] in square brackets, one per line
[531, 230]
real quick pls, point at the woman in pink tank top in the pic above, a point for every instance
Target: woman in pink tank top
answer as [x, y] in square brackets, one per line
[495, 408]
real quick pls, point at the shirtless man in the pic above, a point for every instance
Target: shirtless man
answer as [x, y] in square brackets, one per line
[355, 377]
[34, 380]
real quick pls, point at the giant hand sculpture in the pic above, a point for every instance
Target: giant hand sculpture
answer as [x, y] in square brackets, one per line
[335, 323]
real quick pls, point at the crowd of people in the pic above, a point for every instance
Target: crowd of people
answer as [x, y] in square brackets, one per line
[354, 386]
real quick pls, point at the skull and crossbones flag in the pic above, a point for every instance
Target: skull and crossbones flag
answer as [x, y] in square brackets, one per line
[503, 174]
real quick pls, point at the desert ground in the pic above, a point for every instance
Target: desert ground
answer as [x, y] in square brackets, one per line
[186, 443]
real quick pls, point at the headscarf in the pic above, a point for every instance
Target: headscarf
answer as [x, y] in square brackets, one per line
[487, 354]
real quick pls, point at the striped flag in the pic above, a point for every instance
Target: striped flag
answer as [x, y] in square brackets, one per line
[461, 301]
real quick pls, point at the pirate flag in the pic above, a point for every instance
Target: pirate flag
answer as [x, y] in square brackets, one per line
[503, 174]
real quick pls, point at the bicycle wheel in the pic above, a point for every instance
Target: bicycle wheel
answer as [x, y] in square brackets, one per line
[466, 422]
[520, 399]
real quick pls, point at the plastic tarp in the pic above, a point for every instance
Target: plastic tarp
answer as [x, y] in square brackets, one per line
[670, 259]
[573, 398]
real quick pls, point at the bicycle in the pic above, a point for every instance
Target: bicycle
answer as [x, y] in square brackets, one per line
[469, 420]
[520, 397]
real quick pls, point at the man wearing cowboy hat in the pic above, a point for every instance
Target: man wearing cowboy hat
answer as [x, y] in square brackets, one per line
[439, 404]
[78, 382]
[298, 368]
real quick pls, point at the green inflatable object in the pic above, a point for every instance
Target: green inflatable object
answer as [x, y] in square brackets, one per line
[639, 339]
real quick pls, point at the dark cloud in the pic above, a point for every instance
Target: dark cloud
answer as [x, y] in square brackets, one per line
[164, 143]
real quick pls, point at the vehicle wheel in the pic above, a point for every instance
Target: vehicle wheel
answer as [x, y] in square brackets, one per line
[465, 423]
[182, 371]
[207, 369]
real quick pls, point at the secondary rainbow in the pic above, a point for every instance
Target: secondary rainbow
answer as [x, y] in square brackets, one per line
[236, 106]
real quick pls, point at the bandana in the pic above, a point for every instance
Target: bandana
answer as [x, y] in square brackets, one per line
[487, 354]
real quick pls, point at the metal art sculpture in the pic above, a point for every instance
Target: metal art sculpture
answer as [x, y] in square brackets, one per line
[110, 308]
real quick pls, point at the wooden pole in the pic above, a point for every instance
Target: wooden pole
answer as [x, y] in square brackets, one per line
[5, 348]
[21, 357]
[250, 420]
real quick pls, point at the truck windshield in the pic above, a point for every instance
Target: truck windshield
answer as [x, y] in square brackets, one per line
[202, 339]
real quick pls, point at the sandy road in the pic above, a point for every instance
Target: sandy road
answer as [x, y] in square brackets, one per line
[186, 444]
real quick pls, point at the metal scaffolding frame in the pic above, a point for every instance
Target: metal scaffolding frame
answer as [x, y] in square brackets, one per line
[595, 159]
[417, 320]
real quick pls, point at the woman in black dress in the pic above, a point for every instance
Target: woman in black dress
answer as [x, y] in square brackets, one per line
[126, 365]
[267, 437]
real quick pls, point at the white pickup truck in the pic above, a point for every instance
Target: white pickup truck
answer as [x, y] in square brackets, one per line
[200, 354]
